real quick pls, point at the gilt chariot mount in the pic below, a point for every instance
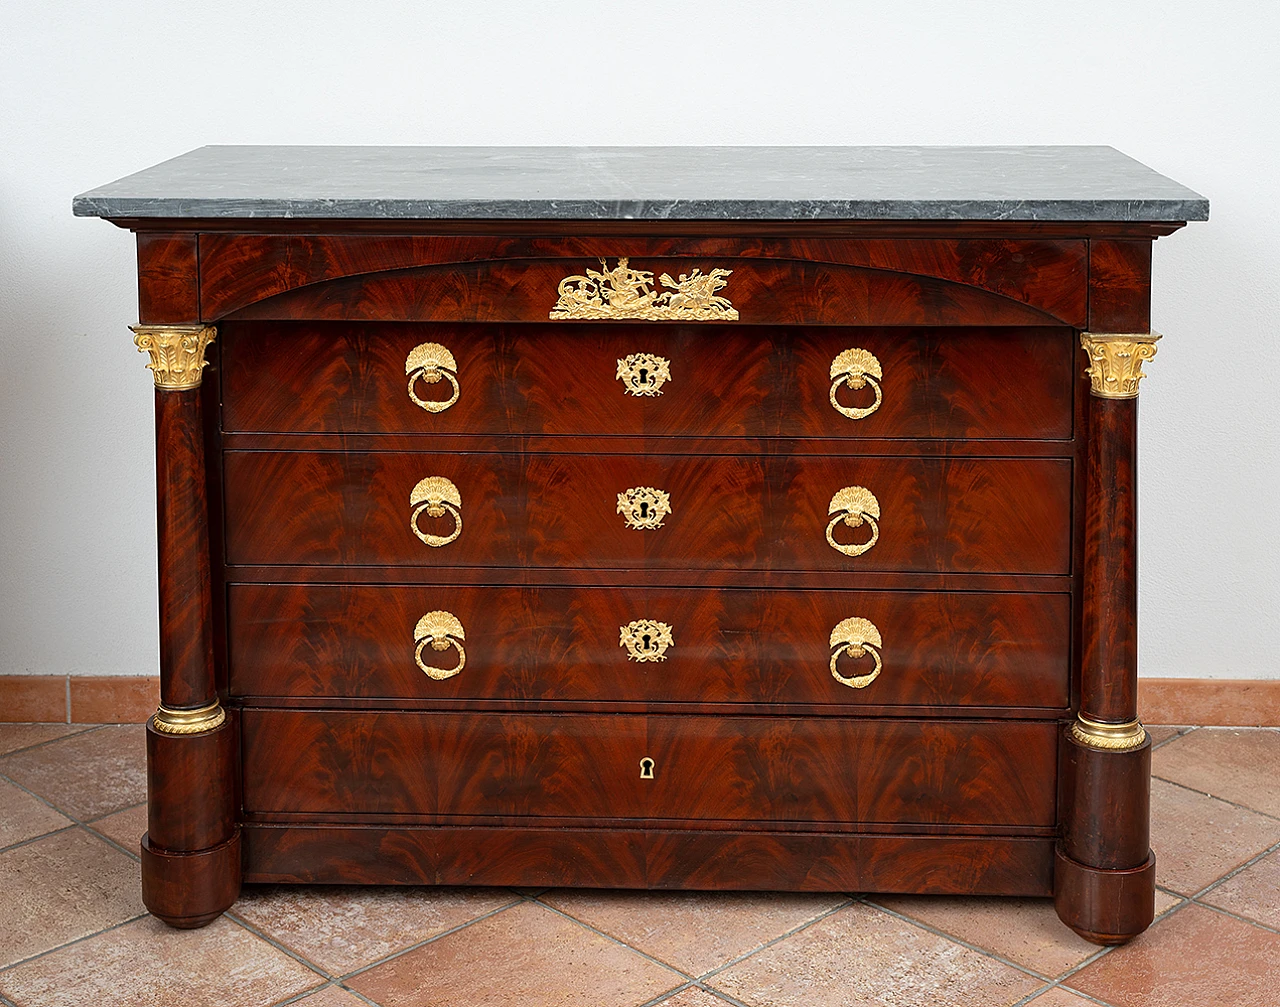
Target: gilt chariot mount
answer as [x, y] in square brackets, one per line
[626, 294]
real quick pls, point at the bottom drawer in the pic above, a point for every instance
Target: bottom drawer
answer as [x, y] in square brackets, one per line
[627, 856]
[702, 768]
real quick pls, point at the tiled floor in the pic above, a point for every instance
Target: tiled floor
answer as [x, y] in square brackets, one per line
[73, 929]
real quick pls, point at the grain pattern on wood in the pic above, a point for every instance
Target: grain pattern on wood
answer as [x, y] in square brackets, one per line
[1109, 659]
[950, 650]
[562, 511]
[191, 788]
[766, 295]
[633, 858]
[917, 281]
[560, 379]
[1119, 286]
[1105, 907]
[1106, 802]
[191, 889]
[639, 578]
[589, 766]
[921, 865]
[168, 278]
[182, 523]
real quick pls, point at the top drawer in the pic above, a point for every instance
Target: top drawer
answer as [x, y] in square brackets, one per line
[628, 379]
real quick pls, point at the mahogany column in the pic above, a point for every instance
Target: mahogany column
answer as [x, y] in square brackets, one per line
[191, 851]
[1104, 876]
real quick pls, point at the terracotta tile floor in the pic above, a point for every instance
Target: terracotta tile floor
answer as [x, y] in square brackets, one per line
[73, 930]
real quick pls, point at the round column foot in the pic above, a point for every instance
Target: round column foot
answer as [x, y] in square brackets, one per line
[189, 890]
[1104, 906]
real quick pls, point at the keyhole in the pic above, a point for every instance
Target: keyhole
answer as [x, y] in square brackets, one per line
[644, 509]
[644, 375]
[646, 769]
[645, 641]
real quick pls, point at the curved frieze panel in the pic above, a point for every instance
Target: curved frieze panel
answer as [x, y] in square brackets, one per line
[774, 280]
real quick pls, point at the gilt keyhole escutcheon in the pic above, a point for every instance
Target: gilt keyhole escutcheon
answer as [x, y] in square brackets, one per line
[646, 640]
[646, 768]
[643, 374]
[644, 507]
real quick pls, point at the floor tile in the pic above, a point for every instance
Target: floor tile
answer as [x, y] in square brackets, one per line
[1193, 956]
[522, 956]
[24, 817]
[1254, 892]
[86, 775]
[146, 964]
[124, 827]
[1026, 931]
[1058, 997]
[60, 888]
[341, 928]
[1165, 902]
[1197, 839]
[1159, 734]
[694, 997]
[693, 931]
[331, 996]
[862, 957]
[15, 736]
[1238, 765]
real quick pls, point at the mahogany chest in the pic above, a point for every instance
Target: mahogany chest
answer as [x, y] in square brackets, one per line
[688, 518]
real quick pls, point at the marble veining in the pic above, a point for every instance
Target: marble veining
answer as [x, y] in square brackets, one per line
[650, 183]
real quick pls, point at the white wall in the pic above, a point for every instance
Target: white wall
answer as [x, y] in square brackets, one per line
[90, 91]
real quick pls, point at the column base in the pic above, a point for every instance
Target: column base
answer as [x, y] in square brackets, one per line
[1104, 906]
[190, 890]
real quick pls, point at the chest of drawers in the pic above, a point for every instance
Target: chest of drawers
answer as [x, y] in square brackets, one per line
[526, 521]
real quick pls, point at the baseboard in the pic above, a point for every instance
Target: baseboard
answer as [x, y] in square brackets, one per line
[1215, 702]
[122, 699]
[78, 699]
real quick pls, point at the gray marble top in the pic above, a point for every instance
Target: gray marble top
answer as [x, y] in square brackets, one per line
[651, 183]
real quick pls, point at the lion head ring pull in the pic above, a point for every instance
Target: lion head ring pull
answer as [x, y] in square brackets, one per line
[431, 363]
[856, 368]
[437, 496]
[440, 631]
[856, 638]
[854, 506]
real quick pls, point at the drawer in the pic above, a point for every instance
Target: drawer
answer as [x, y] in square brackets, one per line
[981, 515]
[556, 645]
[775, 769]
[585, 379]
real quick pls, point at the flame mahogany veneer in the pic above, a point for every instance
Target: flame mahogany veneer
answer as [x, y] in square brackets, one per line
[952, 772]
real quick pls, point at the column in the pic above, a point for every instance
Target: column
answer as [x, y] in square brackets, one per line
[1104, 875]
[191, 851]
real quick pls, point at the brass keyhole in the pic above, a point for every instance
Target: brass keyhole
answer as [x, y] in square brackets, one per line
[644, 509]
[645, 640]
[644, 376]
[646, 768]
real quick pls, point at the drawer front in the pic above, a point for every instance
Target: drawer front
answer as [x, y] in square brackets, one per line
[988, 515]
[702, 768]
[585, 379]
[526, 644]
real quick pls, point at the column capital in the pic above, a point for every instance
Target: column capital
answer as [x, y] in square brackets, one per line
[1115, 361]
[177, 353]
